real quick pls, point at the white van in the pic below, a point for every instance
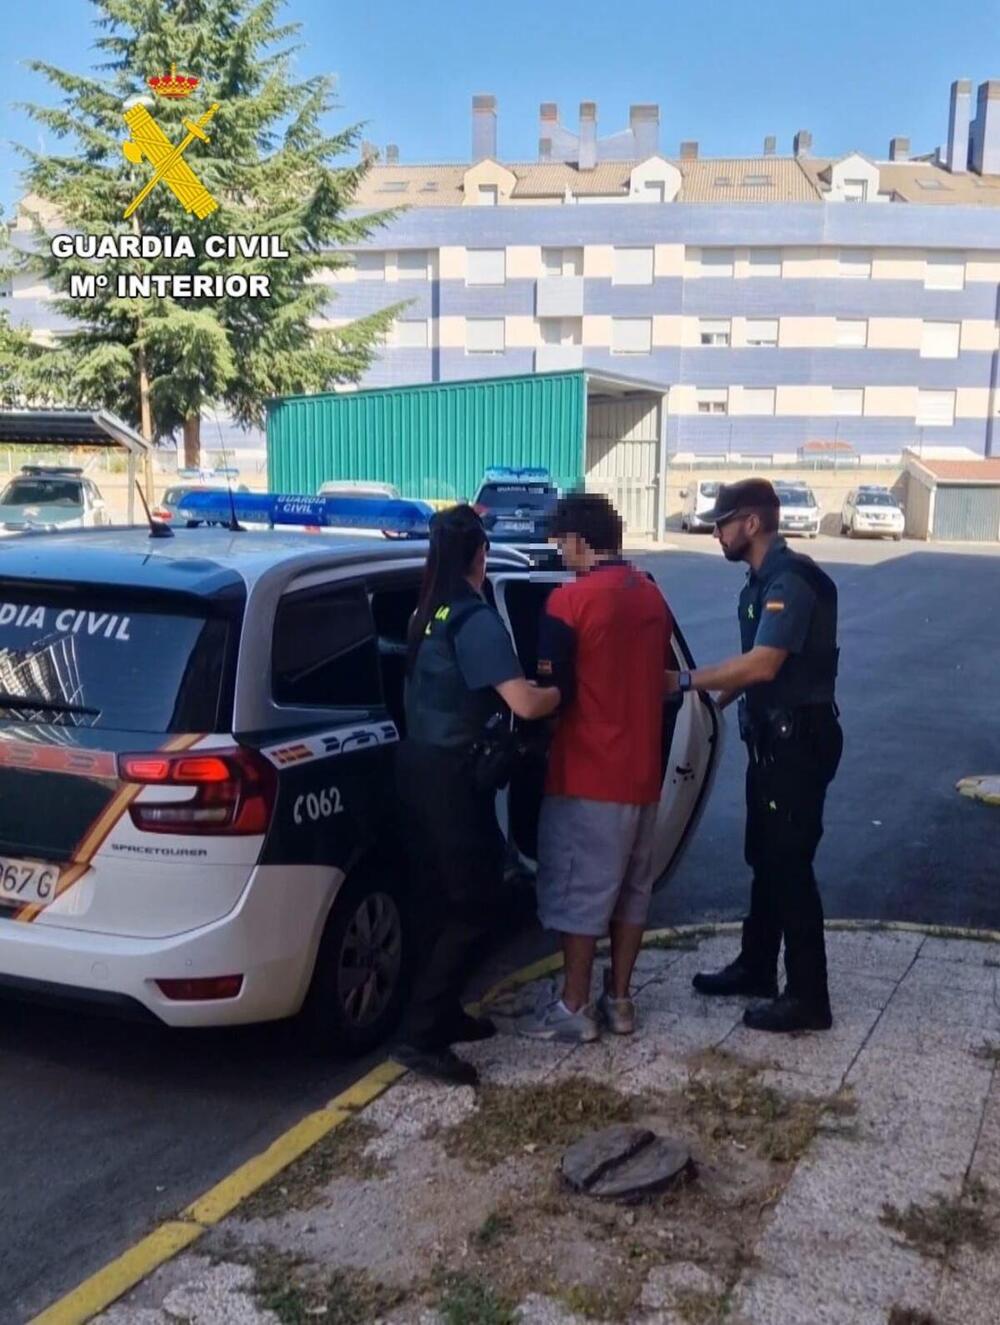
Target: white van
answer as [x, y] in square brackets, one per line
[698, 500]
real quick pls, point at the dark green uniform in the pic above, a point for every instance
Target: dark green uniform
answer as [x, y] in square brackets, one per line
[794, 742]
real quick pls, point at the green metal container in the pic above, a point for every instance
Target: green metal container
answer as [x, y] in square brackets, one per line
[431, 441]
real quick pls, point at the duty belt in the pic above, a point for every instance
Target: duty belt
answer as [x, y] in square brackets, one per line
[763, 732]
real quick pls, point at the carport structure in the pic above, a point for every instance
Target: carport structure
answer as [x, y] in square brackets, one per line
[952, 500]
[95, 429]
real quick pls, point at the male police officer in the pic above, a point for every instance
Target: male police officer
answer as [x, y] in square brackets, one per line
[788, 719]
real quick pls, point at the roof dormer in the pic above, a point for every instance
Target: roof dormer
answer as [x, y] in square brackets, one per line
[854, 178]
[654, 180]
[487, 184]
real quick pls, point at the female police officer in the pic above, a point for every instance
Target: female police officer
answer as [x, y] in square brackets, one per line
[461, 673]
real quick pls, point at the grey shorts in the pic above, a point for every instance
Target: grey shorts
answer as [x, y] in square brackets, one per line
[595, 864]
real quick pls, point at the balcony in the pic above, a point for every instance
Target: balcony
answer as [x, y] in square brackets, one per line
[558, 358]
[559, 296]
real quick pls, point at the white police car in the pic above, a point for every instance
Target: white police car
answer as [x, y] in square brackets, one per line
[197, 808]
[873, 511]
[517, 506]
[800, 513]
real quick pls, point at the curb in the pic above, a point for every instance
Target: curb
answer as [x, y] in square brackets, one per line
[984, 787]
[173, 1236]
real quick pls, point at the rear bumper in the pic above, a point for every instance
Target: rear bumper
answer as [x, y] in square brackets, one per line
[270, 938]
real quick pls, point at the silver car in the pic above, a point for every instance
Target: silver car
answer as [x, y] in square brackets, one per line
[44, 497]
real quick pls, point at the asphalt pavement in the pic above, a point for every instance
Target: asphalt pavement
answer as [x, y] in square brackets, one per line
[113, 1127]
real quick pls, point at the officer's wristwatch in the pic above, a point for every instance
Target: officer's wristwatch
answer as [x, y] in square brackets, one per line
[684, 682]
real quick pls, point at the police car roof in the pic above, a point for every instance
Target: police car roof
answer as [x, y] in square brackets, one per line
[198, 561]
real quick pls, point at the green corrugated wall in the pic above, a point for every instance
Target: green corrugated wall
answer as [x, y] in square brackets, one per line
[431, 441]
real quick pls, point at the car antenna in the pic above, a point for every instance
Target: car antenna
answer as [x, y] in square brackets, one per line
[234, 525]
[157, 529]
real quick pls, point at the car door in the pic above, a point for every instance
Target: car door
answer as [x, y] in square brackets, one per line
[692, 730]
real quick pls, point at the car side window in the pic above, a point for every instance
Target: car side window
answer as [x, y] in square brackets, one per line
[325, 652]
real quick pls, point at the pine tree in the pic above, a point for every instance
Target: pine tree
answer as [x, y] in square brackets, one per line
[270, 165]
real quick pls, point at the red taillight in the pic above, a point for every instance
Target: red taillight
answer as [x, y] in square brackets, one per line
[161, 513]
[201, 990]
[230, 792]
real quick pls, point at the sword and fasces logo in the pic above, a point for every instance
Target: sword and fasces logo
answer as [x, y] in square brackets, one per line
[150, 143]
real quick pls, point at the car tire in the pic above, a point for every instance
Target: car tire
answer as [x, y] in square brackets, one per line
[897, 538]
[344, 1015]
[843, 529]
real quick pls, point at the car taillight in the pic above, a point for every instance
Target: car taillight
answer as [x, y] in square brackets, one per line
[229, 791]
[161, 513]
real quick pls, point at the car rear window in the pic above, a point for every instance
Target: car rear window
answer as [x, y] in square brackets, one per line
[42, 492]
[80, 657]
[796, 497]
[513, 496]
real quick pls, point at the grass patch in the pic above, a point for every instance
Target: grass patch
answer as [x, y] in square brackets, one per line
[511, 1118]
[946, 1223]
[468, 1299]
[297, 1295]
[689, 942]
[494, 1228]
[614, 1301]
[734, 1106]
[340, 1154]
[910, 1316]
[988, 1052]
[702, 1308]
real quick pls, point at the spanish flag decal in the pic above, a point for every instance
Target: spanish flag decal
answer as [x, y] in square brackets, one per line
[776, 606]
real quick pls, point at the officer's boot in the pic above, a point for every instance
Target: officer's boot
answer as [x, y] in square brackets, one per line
[738, 979]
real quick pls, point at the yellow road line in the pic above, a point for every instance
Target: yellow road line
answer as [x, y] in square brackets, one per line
[104, 1287]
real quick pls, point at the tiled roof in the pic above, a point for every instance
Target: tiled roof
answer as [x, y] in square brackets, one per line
[552, 179]
[746, 179]
[963, 471]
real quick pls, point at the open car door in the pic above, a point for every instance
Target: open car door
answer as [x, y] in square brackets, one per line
[692, 735]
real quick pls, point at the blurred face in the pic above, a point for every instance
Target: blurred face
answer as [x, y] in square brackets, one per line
[575, 552]
[736, 534]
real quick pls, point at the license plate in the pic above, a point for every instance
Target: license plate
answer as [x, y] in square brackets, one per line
[24, 882]
[516, 526]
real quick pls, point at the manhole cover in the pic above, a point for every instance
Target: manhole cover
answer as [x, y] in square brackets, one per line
[624, 1161]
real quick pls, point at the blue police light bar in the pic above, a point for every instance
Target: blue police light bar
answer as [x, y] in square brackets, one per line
[388, 515]
[508, 474]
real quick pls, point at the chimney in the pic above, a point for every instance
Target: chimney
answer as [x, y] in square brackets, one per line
[484, 127]
[985, 141]
[644, 121]
[588, 135]
[548, 122]
[770, 145]
[369, 152]
[391, 154]
[689, 151]
[545, 149]
[957, 148]
[899, 149]
[802, 142]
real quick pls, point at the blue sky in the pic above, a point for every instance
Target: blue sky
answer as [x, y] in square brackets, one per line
[725, 72]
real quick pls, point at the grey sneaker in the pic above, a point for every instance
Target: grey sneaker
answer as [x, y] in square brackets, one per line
[556, 1022]
[617, 1014]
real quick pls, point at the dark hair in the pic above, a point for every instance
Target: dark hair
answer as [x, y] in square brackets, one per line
[768, 516]
[457, 534]
[591, 517]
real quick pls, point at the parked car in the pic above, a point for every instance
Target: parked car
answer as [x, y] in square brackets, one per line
[166, 510]
[362, 488]
[872, 511]
[800, 513]
[517, 507]
[47, 497]
[198, 816]
[697, 499]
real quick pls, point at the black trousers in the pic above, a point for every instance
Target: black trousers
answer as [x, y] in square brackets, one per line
[456, 850]
[786, 788]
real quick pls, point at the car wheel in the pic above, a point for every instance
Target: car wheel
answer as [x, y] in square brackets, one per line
[360, 979]
[897, 538]
[843, 529]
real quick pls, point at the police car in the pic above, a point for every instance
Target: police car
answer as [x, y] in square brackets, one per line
[51, 497]
[517, 507]
[197, 808]
[800, 513]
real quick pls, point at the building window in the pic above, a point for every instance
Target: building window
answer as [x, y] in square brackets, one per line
[714, 331]
[631, 335]
[758, 400]
[409, 334]
[757, 181]
[933, 185]
[488, 195]
[716, 262]
[935, 409]
[944, 271]
[723, 182]
[849, 400]
[762, 332]
[632, 266]
[712, 400]
[855, 190]
[850, 333]
[370, 266]
[393, 186]
[654, 190]
[765, 262]
[855, 264]
[412, 264]
[939, 340]
[486, 266]
[561, 330]
[562, 261]
[484, 335]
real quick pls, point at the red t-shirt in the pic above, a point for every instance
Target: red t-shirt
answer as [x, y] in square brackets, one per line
[613, 629]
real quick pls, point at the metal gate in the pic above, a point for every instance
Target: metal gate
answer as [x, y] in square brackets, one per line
[622, 458]
[968, 514]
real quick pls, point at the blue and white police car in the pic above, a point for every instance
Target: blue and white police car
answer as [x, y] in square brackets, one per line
[517, 507]
[197, 809]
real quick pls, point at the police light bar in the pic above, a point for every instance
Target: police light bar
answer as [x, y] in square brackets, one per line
[395, 516]
[507, 474]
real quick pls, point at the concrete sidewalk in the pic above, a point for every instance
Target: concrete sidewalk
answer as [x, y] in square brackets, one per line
[845, 1178]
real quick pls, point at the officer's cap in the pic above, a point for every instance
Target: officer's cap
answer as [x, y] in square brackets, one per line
[750, 494]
